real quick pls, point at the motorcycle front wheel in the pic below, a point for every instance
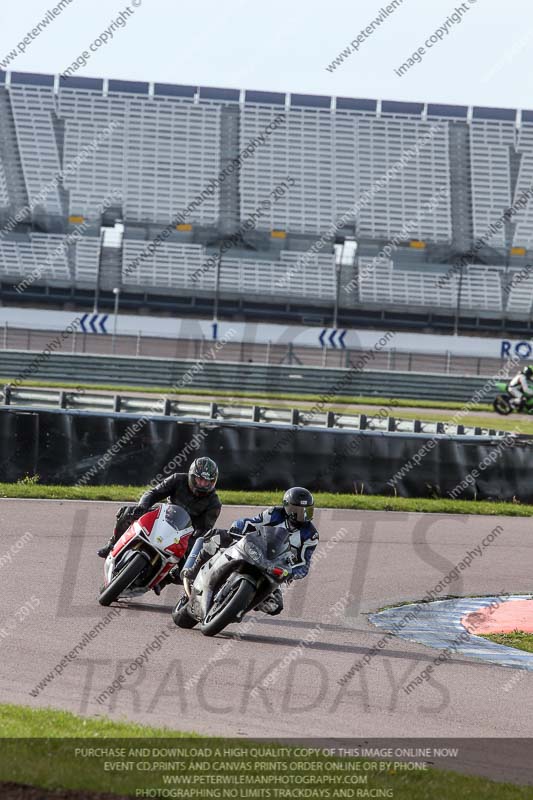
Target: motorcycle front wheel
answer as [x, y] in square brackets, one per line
[125, 578]
[502, 404]
[238, 599]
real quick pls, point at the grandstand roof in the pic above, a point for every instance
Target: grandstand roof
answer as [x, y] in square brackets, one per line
[252, 96]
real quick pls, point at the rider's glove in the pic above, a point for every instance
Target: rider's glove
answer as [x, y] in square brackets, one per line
[131, 513]
[236, 528]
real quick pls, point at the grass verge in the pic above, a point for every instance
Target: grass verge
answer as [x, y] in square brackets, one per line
[518, 639]
[359, 502]
[51, 762]
[25, 722]
[513, 423]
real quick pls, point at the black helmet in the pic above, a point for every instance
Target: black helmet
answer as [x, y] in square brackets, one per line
[203, 475]
[299, 506]
[528, 372]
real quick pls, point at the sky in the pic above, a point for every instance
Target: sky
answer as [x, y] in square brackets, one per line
[482, 58]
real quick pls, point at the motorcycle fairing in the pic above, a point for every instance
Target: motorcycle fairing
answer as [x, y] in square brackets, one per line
[166, 530]
[272, 546]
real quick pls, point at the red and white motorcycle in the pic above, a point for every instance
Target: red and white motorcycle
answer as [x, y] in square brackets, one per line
[146, 552]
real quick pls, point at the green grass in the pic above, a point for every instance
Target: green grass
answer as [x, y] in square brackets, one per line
[340, 400]
[359, 502]
[23, 721]
[51, 762]
[516, 423]
[33, 753]
[518, 639]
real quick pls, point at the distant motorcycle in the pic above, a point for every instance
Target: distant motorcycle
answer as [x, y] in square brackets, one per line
[502, 403]
[235, 580]
[146, 553]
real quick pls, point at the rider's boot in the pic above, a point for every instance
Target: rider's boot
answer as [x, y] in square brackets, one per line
[173, 576]
[125, 516]
[104, 551]
[204, 548]
[193, 567]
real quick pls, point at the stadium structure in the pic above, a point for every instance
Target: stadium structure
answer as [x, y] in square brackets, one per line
[409, 214]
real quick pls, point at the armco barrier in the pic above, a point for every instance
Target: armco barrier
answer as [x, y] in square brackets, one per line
[75, 447]
[128, 370]
[377, 419]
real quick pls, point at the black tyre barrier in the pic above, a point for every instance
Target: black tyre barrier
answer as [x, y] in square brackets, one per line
[86, 448]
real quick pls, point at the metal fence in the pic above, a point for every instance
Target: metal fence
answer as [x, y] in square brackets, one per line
[166, 406]
[17, 366]
[150, 347]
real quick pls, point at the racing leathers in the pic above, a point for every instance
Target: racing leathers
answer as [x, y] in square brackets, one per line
[519, 388]
[203, 510]
[303, 541]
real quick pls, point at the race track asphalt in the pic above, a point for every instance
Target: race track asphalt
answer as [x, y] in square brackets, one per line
[368, 560]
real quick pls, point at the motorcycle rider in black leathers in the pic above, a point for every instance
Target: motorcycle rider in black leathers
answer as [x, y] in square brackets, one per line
[194, 491]
[295, 514]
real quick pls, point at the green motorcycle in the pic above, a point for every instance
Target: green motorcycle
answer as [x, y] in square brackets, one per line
[502, 402]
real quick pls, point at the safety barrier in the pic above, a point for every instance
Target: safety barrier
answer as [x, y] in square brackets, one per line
[84, 448]
[377, 419]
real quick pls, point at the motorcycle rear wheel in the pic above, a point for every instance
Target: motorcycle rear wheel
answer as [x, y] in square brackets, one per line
[125, 578]
[238, 599]
[502, 404]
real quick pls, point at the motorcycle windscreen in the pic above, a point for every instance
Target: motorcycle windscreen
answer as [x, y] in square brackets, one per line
[177, 518]
[271, 544]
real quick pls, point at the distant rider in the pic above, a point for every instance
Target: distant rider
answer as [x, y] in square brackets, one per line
[519, 387]
[194, 491]
[295, 515]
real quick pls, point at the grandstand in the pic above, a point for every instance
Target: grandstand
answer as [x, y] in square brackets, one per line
[421, 187]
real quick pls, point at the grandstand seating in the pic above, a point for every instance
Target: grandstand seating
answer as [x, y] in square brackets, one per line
[159, 155]
[482, 289]
[523, 234]
[381, 282]
[4, 194]
[161, 151]
[490, 142]
[390, 171]
[22, 254]
[87, 259]
[307, 149]
[34, 113]
[174, 265]
[520, 294]
[406, 199]
[287, 277]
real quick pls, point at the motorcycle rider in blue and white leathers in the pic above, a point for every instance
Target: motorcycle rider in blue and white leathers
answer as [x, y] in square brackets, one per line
[295, 514]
